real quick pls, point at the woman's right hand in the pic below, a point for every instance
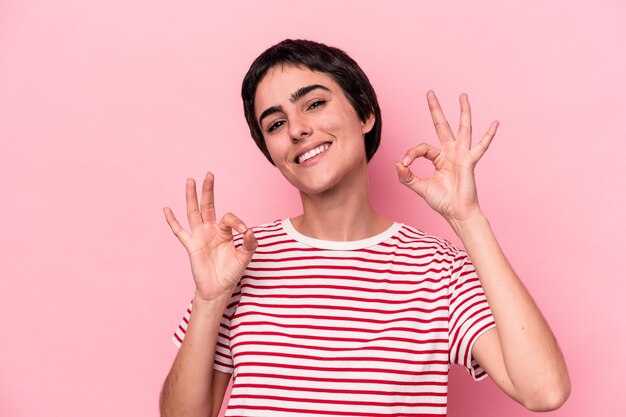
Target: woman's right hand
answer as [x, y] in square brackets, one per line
[216, 264]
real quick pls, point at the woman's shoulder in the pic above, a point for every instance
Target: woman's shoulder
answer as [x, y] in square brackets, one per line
[412, 236]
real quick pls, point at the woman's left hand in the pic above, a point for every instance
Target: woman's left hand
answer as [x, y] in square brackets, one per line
[451, 189]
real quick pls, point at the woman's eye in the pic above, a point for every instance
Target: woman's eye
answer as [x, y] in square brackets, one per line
[316, 104]
[275, 125]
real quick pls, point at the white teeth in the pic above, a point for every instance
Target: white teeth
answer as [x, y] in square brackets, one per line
[313, 152]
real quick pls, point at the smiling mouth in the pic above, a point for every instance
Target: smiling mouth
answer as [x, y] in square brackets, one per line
[313, 153]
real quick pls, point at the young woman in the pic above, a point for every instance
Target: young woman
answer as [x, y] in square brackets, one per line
[341, 311]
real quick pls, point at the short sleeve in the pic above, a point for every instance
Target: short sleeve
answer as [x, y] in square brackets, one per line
[469, 314]
[223, 361]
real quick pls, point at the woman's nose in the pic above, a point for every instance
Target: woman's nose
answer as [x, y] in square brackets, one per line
[299, 128]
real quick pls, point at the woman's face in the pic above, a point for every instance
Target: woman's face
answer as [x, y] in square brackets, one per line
[302, 111]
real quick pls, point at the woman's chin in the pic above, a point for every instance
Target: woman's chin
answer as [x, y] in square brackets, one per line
[320, 181]
[316, 188]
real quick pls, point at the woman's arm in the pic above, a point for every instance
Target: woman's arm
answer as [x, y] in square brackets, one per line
[188, 389]
[217, 266]
[521, 353]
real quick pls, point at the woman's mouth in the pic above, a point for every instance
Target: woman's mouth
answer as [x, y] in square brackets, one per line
[310, 157]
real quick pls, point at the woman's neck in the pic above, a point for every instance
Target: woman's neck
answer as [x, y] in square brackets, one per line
[343, 213]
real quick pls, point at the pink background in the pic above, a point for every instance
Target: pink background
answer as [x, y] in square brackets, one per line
[106, 107]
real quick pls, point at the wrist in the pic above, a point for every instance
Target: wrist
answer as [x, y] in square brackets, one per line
[464, 227]
[217, 303]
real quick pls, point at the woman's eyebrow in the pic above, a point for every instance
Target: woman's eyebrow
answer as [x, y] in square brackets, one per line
[268, 111]
[297, 95]
[306, 90]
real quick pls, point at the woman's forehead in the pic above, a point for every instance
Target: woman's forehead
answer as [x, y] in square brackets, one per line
[282, 81]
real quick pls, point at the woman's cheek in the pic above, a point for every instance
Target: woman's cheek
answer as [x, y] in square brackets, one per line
[327, 123]
[277, 152]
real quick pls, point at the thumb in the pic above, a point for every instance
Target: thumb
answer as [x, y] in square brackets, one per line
[406, 177]
[246, 250]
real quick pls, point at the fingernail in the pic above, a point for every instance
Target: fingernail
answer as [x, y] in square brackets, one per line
[405, 161]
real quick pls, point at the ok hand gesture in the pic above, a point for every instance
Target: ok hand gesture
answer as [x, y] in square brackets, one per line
[451, 190]
[216, 264]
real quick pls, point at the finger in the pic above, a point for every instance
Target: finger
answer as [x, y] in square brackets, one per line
[246, 250]
[422, 150]
[244, 253]
[208, 201]
[464, 134]
[178, 230]
[481, 147]
[441, 124]
[229, 222]
[406, 177]
[193, 213]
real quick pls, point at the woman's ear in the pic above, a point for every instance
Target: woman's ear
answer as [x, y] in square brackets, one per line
[368, 124]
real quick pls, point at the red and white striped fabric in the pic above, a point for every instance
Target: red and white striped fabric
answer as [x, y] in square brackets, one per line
[360, 328]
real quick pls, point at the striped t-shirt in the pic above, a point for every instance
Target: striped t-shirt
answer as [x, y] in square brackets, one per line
[356, 328]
